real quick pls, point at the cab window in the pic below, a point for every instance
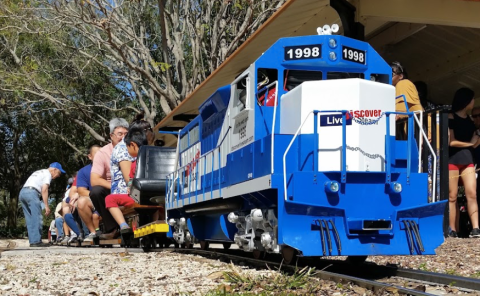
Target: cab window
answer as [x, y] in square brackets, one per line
[294, 78]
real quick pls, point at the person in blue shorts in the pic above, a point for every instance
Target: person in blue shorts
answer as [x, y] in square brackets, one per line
[85, 207]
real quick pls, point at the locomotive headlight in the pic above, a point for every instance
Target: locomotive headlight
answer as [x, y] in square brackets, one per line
[332, 186]
[182, 221]
[333, 56]
[396, 187]
[332, 43]
[232, 218]
[257, 215]
[265, 239]
[171, 222]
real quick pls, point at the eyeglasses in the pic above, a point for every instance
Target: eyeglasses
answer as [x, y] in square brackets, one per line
[476, 115]
[120, 134]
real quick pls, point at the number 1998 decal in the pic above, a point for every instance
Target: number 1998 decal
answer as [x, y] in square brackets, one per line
[354, 55]
[302, 52]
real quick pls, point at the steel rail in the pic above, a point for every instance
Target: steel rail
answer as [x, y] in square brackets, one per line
[390, 271]
[324, 275]
[341, 270]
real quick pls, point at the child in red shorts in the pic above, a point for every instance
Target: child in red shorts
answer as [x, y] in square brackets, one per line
[135, 139]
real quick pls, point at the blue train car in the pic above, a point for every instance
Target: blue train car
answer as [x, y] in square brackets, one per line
[298, 155]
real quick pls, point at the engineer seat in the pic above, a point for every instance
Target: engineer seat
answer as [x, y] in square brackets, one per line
[153, 165]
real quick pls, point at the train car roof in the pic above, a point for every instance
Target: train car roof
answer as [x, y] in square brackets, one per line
[436, 41]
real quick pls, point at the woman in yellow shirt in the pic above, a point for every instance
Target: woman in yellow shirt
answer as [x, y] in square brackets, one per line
[405, 87]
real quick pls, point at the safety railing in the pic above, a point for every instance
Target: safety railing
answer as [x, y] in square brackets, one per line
[315, 156]
[425, 132]
[272, 149]
[435, 125]
[423, 137]
[173, 179]
[273, 128]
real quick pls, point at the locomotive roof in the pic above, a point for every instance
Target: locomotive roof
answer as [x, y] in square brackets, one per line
[438, 43]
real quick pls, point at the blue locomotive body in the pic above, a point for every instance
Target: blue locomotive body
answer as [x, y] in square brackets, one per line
[299, 154]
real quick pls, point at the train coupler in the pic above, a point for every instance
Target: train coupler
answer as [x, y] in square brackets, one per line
[324, 227]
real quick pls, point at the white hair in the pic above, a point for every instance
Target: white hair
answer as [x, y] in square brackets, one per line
[117, 122]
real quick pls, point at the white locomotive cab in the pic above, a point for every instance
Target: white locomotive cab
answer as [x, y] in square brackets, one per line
[367, 103]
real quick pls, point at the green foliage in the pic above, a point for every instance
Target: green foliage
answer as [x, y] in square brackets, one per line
[423, 266]
[67, 67]
[298, 283]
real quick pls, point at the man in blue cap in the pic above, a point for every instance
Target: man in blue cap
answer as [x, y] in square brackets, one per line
[34, 191]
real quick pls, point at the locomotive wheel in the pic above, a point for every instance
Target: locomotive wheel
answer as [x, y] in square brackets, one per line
[175, 245]
[288, 254]
[356, 259]
[204, 245]
[227, 246]
[257, 254]
[189, 245]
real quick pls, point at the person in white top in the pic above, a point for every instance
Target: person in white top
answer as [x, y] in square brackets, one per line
[33, 192]
[53, 232]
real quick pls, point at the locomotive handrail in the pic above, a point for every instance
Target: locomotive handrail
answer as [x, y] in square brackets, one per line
[175, 179]
[422, 137]
[273, 124]
[425, 137]
[409, 145]
[344, 140]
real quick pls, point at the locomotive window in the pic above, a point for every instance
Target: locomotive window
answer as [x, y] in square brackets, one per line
[344, 75]
[241, 94]
[383, 78]
[265, 77]
[266, 86]
[184, 142]
[294, 78]
[194, 134]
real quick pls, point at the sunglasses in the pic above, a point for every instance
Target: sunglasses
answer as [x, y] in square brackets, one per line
[475, 116]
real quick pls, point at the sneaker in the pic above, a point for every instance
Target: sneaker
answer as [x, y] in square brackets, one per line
[65, 239]
[475, 233]
[73, 240]
[39, 245]
[125, 229]
[59, 239]
[90, 237]
[452, 233]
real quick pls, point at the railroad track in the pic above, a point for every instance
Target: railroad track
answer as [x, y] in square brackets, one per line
[367, 275]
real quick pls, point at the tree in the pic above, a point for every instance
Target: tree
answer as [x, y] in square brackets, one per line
[156, 53]
[68, 66]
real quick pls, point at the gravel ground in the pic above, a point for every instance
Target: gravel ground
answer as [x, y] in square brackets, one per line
[132, 274]
[455, 256]
[136, 274]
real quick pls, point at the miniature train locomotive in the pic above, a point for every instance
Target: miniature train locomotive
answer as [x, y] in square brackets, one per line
[298, 156]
